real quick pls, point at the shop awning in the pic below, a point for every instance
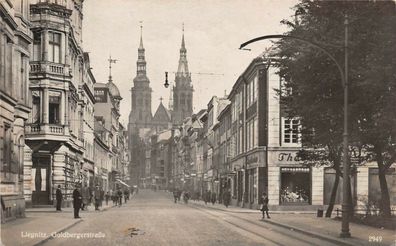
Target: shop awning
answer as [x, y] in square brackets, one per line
[122, 182]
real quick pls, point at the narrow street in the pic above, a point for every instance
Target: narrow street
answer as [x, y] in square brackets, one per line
[151, 218]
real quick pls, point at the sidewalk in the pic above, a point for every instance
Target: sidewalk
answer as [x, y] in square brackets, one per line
[324, 228]
[40, 224]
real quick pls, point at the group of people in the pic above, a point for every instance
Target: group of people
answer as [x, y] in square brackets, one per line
[116, 196]
[177, 194]
[82, 197]
[210, 197]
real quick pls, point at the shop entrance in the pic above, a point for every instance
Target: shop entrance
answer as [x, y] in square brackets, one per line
[295, 185]
[41, 180]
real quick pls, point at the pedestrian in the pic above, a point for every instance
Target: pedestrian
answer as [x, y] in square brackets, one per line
[186, 196]
[226, 198]
[207, 197]
[264, 205]
[77, 200]
[102, 193]
[213, 198]
[107, 197]
[119, 193]
[175, 194]
[58, 198]
[97, 197]
[125, 195]
[85, 197]
[114, 196]
[179, 195]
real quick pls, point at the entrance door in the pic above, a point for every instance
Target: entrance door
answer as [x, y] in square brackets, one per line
[40, 180]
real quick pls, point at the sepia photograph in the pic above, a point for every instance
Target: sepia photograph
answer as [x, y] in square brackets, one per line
[198, 122]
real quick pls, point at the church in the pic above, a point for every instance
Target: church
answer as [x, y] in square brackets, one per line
[142, 123]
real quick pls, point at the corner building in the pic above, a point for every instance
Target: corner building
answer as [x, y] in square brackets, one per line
[264, 143]
[59, 135]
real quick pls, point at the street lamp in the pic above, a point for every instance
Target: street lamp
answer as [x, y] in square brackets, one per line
[344, 79]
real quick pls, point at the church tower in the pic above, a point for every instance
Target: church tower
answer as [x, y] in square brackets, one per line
[183, 89]
[140, 115]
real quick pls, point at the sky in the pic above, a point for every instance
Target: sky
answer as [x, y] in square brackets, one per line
[213, 29]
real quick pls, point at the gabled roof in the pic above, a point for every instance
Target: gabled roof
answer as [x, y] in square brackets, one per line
[162, 114]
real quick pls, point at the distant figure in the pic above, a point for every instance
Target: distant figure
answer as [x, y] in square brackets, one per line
[58, 198]
[97, 197]
[186, 196]
[226, 198]
[85, 197]
[126, 195]
[107, 197]
[119, 194]
[213, 198]
[77, 200]
[114, 196]
[207, 196]
[175, 195]
[264, 205]
[101, 198]
[179, 195]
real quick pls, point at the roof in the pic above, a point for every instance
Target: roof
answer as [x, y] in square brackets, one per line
[113, 90]
[162, 114]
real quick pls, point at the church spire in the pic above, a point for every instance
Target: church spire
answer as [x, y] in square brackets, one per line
[183, 64]
[141, 37]
[141, 62]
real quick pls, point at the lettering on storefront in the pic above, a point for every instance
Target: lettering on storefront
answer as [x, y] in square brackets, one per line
[288, 157]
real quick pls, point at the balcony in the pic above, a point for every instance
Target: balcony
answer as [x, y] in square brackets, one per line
[41, 67]
[45, 129]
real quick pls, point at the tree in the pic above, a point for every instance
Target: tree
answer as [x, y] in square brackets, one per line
[312, 88]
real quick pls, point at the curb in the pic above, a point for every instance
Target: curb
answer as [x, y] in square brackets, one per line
[57, 232]
[312, 234]
[248, 210]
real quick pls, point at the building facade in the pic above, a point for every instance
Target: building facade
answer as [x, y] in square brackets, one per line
[15, 46]
[59, 132]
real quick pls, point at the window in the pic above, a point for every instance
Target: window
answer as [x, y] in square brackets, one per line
[6, 166]
[22, 78]
[36, 107]
[251, 134]
[54, 105]
[54, 54]
[291, 131]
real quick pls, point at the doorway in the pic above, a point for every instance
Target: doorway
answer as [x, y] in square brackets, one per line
[41, 180]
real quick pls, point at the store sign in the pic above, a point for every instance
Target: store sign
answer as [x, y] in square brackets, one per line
[295, 170]
[288, 157]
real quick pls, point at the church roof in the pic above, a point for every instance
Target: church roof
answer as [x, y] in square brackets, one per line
[162, 114]
[114, 90]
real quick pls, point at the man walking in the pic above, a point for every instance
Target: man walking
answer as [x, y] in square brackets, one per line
[97, 197]
[119, 193]
[264, 205]
[58, 198]
[226, 198]
[77, 200]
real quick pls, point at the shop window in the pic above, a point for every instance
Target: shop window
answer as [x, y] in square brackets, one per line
[54, 54]
[291, 131]
[295, 185]
[329, 178]
[375, 189]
